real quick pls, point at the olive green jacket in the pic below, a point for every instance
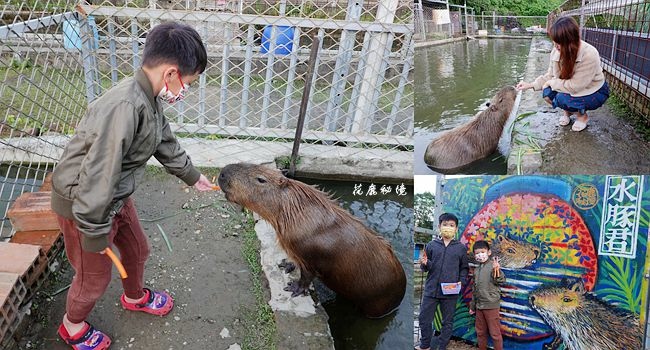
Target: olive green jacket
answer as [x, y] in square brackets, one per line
[486, 293]
[106, 157]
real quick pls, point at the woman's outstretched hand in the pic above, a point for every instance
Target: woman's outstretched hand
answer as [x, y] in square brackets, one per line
[524, 86]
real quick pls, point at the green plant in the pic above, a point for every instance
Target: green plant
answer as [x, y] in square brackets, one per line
[260, 315]
[621, 109]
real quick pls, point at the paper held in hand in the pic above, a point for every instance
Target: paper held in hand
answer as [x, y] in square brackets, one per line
[450, 288]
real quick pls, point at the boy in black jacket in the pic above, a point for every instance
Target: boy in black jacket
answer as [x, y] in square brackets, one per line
[445, 260]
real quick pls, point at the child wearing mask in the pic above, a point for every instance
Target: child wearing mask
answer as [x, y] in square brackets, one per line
[486, 296]
[445, 260]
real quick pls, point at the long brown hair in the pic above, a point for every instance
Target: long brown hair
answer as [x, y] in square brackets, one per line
[566, 33]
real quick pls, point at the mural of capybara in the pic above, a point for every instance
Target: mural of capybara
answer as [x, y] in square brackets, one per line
[515, 254]
[583, 321]
[512, 253]
[474, 140]
[322, 239]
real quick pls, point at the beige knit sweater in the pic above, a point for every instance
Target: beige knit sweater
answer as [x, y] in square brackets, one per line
[587, 73]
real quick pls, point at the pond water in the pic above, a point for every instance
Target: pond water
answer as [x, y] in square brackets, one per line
[391, 216]
[453, 83]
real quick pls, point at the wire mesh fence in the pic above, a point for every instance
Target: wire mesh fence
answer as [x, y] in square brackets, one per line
[620, 30]
[58, 55]
[440, 20]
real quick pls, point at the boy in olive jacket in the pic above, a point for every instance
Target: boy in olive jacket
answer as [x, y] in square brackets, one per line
[100, 169]
[486, 296]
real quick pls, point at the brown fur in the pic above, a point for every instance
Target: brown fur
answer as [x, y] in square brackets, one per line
[320, 237]
[475, 140]
[583, 321]
[515, 254]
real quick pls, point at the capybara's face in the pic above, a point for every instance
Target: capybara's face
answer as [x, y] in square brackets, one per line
[251, 185]
[503, 101]
[557, 300]
[515, 254]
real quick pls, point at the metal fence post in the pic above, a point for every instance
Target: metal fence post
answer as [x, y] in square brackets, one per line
[378, 43]
[343, 61]
[88, 58]
[304, 103]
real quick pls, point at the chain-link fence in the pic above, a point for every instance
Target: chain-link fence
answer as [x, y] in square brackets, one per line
[58, 55]
[440, 20]
[435, 20]
[620, 30]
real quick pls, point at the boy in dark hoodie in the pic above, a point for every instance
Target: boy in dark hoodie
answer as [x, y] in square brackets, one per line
[486, 296]
[445, 260]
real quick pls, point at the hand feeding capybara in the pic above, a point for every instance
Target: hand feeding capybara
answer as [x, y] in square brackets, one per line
[582, 321]
[474, 140]
[323, 240]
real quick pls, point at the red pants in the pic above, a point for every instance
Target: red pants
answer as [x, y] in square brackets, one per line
[488, 320]
[93, 270]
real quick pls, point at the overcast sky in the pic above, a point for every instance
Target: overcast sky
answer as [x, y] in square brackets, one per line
[424, 183]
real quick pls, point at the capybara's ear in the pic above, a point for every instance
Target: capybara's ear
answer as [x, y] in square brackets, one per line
[283, 182]
[578, 287]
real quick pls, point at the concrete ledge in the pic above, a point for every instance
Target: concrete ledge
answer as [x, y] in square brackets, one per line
[300, 323]
[341, 162]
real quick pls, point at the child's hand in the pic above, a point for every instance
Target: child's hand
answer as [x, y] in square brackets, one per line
[424, 259]
[472, 312]
[495, 263]
[203, 184]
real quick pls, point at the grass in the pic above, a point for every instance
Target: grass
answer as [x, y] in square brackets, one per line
[621, 109]
[258, 317]
[526, 142]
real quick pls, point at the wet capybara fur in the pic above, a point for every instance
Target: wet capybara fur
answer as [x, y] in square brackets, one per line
[583, 321]
[474, 140]
[321, 238]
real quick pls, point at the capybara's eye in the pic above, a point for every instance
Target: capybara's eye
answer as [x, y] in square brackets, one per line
[261, 180]
[566, 299]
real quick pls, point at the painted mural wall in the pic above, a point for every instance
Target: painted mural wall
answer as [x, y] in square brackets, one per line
[573, 249]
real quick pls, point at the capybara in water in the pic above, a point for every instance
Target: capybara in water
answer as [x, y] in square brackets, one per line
[323, 240]
[474, 140]
[582, 321]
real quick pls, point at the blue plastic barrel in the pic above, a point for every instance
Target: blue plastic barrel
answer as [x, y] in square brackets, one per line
[283, 40]
[72, 33]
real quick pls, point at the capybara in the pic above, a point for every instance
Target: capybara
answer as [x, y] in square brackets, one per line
[474, 140]
[513, 253]
[321, 238]
[582, 321]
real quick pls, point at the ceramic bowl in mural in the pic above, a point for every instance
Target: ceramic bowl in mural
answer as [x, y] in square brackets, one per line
[539, 239]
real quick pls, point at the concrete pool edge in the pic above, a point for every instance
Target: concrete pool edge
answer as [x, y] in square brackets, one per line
[523, 159]
[324, 162]
[423, 44]
[300, 322]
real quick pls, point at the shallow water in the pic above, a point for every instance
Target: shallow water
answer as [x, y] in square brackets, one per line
[454, 81]
[391, 216]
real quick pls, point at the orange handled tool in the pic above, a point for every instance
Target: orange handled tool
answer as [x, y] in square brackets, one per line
[117, 262]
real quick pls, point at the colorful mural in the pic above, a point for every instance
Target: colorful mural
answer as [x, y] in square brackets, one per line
[573, 249]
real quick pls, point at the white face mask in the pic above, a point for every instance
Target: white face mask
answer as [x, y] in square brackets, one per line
[481, 257]
[166, 95]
